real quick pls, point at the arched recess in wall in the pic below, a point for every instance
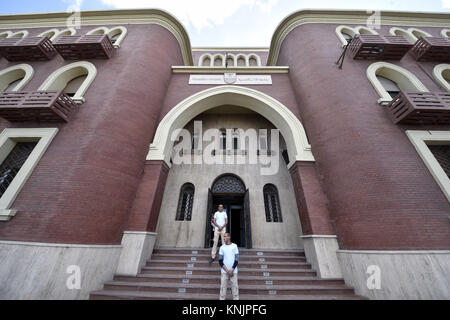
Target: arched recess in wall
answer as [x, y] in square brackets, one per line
[19, 34]
[15, 77]
[345, 33]
[54, 34]
[116, 34]
[419, 33]
[218, 60]
[5, 34]
[441, 74]
[241, 60]
[61, 78]
[445, 33]
[281, 117]
[254, 60]
[404, 79]
[205, 60]
[412, 34]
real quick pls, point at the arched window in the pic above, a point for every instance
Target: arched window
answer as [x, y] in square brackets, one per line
[116, 34]
[346, 33]
[412, 34]
[272, 204]
[16, 77]
[74, 79]
[241, 61]
[231, 60]
[49, 33]
[441, 73]
[223, 139]
[205, 60]
[254, 60]
[402, 78]
[419, 33]
[219, 61]
[65, 32]
[185, 202]
[391, 87]
[5, 34]
[19, 34]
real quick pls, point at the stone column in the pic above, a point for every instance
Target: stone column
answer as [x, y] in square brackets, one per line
[139, 239]
[319, 239]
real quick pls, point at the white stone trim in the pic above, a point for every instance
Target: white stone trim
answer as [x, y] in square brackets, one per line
[123, 33]
[445, 33]
[62, 32]
[218, 56]
[318, 236]
[367, 29]
[438, 75]
[58, 245]
[408, 33]
[202, 59]
[423, 33]
[104, 30]
[206, 70]
[137, 248]
[23, 32]
[111, 32]
[8, 34]
[141, 233]
[56, 81]
[406, 80]
[420, 139]
[320, 252]
[290, 127]
[54, 30]
[10, 74]
[352, 31]
[395, 251]
[403, 275]
[7, 142]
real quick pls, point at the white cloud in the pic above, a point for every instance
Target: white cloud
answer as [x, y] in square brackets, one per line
[199, 13]
[445, 3]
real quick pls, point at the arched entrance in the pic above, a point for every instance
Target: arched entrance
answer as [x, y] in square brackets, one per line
[230, 191]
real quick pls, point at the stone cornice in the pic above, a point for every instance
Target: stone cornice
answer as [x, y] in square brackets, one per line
[239, 70]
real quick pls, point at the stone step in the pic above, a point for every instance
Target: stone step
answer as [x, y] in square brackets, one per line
[214, 288]
[207, 257]
[148, 295]
[242, 264]
[213, 279]
[215, 271]
[251, 252]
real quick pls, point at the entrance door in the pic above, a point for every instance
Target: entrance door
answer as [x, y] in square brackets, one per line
[230, 191]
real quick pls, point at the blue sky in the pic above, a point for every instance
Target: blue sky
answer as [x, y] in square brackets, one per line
[226, 22]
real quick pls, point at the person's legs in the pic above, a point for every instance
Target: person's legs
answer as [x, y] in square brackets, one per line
[214, 248]
[222, 233]
[223, 286]
[235, 287]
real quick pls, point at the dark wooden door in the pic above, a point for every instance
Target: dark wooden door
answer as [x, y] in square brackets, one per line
[209, 216]
[248, 231]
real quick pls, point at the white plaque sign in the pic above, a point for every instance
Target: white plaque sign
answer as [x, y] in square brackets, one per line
[230, 78]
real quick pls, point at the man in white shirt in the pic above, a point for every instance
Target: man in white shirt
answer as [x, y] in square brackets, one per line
[228, 261]
[220, 221]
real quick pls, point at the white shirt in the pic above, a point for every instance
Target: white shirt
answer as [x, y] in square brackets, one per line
[220, 219]
[228, 252]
